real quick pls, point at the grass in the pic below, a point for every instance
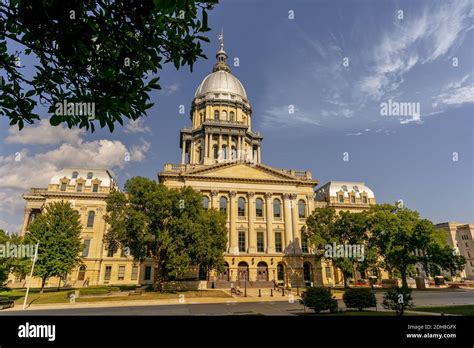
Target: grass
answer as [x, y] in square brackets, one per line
[51, 296]
[460, 310]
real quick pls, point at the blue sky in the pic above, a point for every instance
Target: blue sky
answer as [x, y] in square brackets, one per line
[422, 55]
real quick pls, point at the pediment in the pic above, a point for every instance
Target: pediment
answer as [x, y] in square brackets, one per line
[241, 171]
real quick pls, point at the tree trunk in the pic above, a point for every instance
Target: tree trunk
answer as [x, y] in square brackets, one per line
[43, 282]
[158, 275]
[344, 276]
[403, 273]
[59, 284]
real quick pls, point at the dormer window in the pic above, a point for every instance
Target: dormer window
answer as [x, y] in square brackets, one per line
[63, 186]
[74, 175]
[95, 188]
[341, 199]
[79, 187]
[90, 175]
[353, 199]
[364, 199]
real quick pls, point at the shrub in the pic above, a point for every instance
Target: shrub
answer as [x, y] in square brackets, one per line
[398, 299]
[319, 299]
[359, 298]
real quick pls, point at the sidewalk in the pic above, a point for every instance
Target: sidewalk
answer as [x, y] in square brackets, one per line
[251, 297]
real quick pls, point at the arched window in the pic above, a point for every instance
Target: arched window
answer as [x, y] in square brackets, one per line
[224, 115]
[205, 202]
[200, 154]
[364, 199]
[234, 153]
[341, 199]
[223, 205]
[90, 219]
[241, 206]
[276, 208]
[216, 152]
[353, 199]
[90, 175]
[301, 209]
[216, 115]
[259, 207]
[82, 273]
[74, 175]
[232, 116]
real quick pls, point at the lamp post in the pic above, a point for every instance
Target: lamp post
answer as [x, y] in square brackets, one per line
[245, 284]
[31, 273]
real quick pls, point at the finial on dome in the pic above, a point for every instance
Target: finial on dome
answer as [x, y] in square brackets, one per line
[221, 55]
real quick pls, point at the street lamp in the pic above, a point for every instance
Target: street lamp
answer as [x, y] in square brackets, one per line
[245, 283]
[31, 273]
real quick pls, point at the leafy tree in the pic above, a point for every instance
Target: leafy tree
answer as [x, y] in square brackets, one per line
[95, 51]
[325, 227]
[319, 299]
[403, 239]
[12, 264]
[398, 300]
[359, 298]
[58, 231]
[169, 226]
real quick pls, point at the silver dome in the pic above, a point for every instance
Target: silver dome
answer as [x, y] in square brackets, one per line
[221, 82]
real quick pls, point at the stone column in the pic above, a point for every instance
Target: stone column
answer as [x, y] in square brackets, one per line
[191, 154]
[220, 146]
[287, 216]
[310, 204]
[214, 202]
[206, 145]
[269, 217]
[295, 218]
[234, 238]
[183, 153]
[251, 219]
[258, 154]
[26, 218]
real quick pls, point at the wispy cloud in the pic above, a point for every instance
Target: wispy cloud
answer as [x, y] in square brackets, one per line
[137, 126]
[287, 115]
[168, 90]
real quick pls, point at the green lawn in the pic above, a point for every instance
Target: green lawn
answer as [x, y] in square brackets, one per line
[461, 309]
[53, 296]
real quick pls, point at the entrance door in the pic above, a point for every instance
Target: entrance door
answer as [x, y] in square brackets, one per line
[243, 271]
[225, 275]
[307, 274]
[262, 271]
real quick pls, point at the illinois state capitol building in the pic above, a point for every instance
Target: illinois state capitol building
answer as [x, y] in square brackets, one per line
[221, 158]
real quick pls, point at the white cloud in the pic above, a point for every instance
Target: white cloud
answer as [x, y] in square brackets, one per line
[281, 116]
[457, 92]
[43, 134]
[136, 126]
[354, 134]
[421, 40]
[170, 89]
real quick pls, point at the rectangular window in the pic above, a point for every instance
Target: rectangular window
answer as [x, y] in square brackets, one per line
[278, 242]
[108, 272]
[63, 186]
[242, 241]
[95, 188]
[110, 253]
[79, 187]
[341, 199]
[85, 250]
[353, 199]
[328, 272]
[260, 242]
[364, 199]
[134, 273]
[147, 273]
[121, 273]
[304, 244]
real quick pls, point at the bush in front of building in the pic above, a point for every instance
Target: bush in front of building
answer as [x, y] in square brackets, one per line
[359, 298]
[319, 299]
[398, 299]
